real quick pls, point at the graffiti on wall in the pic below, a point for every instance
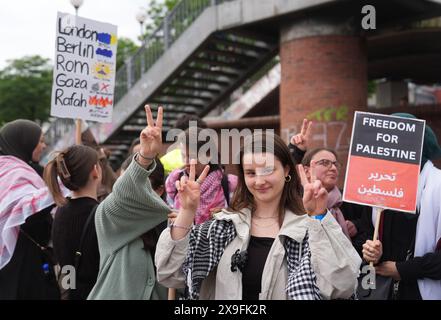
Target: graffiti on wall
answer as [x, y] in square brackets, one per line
[330, 128]
[330, 114]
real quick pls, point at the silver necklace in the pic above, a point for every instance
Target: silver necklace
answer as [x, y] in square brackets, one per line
[261, 226]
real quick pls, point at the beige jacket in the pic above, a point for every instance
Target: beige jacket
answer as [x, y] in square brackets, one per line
[334, 260]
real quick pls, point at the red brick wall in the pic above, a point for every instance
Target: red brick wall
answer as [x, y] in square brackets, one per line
[324, 78]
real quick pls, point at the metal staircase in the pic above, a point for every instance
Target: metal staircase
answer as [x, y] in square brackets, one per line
[217, 67]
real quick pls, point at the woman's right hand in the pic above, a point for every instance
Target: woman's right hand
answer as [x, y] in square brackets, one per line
[301, 139]
[151, 136]
[372, 251]
[315, 196]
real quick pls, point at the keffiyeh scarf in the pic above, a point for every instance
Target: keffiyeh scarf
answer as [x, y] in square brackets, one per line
[22, 193]
[208, 242]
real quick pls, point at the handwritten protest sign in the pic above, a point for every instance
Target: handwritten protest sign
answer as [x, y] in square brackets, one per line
[84, 70]
[384, 161]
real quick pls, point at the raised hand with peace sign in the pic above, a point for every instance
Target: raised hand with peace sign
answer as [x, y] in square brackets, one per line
[151, 137]
[189, 190]
[315, 196]
[302, 139]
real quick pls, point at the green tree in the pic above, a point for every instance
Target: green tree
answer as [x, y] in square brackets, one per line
[25, 89]
[155, 14]
[126, 48]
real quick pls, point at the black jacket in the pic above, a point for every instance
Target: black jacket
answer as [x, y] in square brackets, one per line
[397, 235]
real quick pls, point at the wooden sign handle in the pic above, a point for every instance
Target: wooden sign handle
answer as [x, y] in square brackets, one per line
[78, 140]
[379, 212]
[171, 294]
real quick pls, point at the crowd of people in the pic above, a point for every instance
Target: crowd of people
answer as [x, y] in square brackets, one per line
[181, 227]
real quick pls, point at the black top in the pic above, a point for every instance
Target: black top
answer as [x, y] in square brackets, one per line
[397, 234]
[24, 277]
[258, 250]
[296, 153]
[66, 233]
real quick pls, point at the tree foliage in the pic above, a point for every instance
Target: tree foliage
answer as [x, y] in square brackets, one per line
[126, 48]
[25, 89]
[155, 14]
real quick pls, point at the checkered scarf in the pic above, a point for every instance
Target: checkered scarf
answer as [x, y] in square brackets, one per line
[301, 277]
[208, 242]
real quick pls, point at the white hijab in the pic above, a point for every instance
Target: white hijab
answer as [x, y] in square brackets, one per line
[428, 230]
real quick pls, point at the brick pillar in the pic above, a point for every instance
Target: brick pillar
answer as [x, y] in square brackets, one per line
[323, 78]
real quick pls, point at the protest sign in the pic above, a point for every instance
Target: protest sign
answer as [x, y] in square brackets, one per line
[384, 161]
[84, 69]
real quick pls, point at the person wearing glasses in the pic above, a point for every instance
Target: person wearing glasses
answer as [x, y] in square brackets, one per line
[328, 169]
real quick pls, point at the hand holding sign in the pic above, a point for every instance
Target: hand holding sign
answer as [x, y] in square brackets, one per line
[315, 196]
[372, 251]
[301, 139]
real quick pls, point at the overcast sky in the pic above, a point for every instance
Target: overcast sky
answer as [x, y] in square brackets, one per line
[27, 27]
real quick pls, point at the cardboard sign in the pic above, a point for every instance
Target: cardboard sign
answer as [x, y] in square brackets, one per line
[84, 69]
[384, 161]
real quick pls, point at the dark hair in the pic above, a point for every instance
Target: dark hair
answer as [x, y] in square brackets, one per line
[183, 123]
[135, 142]
[291, 198]
[126, 163]
[73, 166]
[108, 175]
[306, 161]
[189, 137]
[157, 177]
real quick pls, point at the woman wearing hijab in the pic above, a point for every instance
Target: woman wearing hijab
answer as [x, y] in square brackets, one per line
[24, 263]
[409, 245]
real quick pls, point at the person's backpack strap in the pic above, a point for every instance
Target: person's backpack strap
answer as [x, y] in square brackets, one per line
[225, 188]
[79, 252]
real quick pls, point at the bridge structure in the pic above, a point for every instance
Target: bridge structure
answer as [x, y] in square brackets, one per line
[205, 50]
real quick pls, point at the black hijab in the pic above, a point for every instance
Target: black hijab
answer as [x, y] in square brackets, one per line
[19, 138]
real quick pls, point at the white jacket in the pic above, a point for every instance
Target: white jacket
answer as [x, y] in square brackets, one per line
[334, 260]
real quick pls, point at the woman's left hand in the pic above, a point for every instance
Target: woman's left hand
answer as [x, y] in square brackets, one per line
[388, 269]
[189, 188]
[315, 196]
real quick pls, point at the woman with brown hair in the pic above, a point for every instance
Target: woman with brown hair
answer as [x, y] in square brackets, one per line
[79, 170]
[270, 244]
[130, 211]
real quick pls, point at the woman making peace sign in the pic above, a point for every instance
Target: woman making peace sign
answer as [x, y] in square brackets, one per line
[264, 246]
[131, 210]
